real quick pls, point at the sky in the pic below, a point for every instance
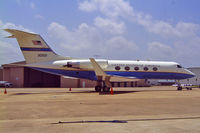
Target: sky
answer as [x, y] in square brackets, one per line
[161, 30]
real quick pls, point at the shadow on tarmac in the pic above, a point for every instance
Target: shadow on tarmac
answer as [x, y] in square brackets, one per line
[88, 92]
[103, 93]
[117, 92]
[25, 93]
[77, 92]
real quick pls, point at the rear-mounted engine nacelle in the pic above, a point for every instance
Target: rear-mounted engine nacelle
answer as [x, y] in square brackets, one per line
[72, 64]
[68, 63]
[79, 63]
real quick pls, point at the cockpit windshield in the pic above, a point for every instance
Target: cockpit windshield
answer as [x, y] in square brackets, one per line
[179, 66]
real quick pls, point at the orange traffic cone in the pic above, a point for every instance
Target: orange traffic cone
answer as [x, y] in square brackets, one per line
[70, 89]
[111, 91]
[5, 91]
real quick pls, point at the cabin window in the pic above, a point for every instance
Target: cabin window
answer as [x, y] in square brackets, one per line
[155, 68]
[136, 68]
[146, 68]
[117, 68]
[179, 66]
[127, 68]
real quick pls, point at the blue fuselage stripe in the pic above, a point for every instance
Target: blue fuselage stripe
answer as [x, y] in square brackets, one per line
[140, 75]
[36, 49]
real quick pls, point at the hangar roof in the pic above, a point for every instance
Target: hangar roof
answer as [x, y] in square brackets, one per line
[15, 64]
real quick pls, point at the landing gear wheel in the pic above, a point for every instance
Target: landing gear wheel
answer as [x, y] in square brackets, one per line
[6, 86]
[97, 88]
[106, 89]
[179, 88]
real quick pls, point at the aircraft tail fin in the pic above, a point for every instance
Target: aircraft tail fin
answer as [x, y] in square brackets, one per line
[33, 47]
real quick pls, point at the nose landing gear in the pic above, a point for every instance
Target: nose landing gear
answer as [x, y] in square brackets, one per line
[179, 88]
[183, 86]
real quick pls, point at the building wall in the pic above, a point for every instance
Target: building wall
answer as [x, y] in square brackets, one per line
[69, 83]
[84, 83]
[27, 77]
[194, 80]
[1, 74]
[14, 75]
[76, 83]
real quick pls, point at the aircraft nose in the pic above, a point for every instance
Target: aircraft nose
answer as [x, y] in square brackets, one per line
[190, 73]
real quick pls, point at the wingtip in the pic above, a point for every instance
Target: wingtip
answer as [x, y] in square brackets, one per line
[9, 30]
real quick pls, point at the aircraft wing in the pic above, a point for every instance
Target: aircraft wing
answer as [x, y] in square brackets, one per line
[101, 75]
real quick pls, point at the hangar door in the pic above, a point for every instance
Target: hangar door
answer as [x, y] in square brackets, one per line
[34, 78]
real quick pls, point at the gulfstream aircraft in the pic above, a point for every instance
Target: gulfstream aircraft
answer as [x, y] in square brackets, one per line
[38, 55]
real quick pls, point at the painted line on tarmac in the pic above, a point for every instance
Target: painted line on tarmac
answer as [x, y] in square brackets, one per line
[126, 121]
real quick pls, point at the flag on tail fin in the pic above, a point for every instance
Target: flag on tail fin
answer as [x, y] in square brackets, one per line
[36, 42]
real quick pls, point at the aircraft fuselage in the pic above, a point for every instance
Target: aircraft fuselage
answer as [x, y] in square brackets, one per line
[82, 68]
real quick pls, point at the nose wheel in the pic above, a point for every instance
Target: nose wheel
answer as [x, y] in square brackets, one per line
[179, 88]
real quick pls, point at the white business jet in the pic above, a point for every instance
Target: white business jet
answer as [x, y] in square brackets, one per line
[39, 56]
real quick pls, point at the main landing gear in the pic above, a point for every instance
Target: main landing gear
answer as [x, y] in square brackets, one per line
[100, 88]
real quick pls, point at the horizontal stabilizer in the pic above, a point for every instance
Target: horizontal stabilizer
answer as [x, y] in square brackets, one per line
[16, 33]
[12, 36]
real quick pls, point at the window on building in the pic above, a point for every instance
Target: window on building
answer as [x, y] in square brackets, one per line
[118, 84]
[125, 84]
